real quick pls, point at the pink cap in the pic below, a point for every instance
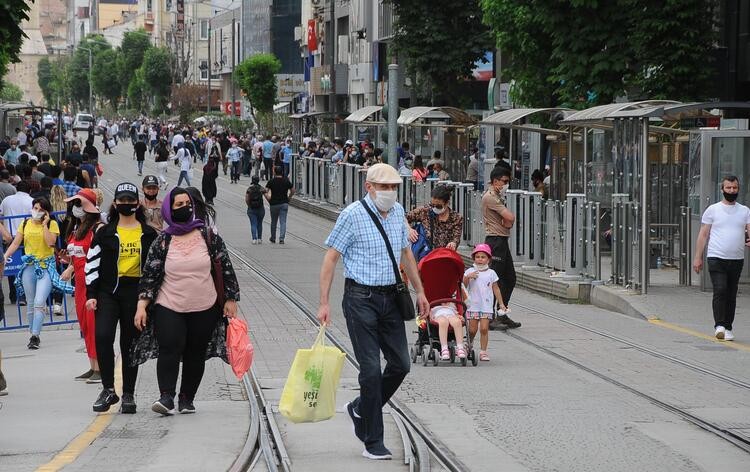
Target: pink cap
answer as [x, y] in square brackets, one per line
[485, 248]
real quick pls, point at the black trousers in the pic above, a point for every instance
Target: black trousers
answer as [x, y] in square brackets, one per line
[113, 309]
[502, 264]
[183, 336]
[725, 275]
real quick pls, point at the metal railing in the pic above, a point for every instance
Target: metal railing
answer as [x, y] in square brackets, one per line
[11, 269]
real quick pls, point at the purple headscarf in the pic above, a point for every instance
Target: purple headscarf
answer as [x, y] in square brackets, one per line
[178, 229]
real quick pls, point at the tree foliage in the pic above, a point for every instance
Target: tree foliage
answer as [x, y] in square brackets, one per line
[105, 76]
[77, 69]
[137, 91]
[587, 52]
[187, 98]
[256, 76]
[157, 75]
[45, 77]
[134, 46]
[440, 41]
[12, 13]
[11, 93]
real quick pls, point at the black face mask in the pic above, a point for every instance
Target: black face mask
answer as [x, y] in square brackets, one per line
[182, 214]
[126, 209]
[730, 197]
[150, 197]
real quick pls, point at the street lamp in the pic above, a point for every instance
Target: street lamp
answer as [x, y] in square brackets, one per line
[91, 88]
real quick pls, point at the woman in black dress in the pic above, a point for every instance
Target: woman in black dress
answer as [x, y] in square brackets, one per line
[210, 174]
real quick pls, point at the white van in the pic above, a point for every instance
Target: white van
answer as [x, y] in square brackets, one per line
[82, 122]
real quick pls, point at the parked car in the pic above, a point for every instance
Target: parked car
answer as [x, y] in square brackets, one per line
[82, 122]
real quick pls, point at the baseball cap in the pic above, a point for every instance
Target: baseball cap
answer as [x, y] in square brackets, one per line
[126, 189]
[349, 142]
[88, 200]
[150, 181]
[383, 174]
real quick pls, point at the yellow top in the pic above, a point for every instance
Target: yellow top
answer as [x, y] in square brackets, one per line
[33, 239]
[129, 263]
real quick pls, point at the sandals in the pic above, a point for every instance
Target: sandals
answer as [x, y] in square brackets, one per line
[445, 354]
[483, 356]
[460, 352]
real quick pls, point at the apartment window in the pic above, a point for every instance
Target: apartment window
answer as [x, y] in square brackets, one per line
[149, 5]
[204, 30]
[204, 69]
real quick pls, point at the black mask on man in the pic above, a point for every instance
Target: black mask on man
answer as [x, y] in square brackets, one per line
[730, 197]
[182, 214]
[150, 197]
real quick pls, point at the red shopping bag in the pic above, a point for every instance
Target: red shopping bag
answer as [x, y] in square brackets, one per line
[239, 347]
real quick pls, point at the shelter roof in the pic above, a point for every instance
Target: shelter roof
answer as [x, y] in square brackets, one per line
[514, 115]
[602, 113]
[456, 115]
[361, 115]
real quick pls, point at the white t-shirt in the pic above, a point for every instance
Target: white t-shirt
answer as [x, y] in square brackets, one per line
[481, 297]
[15, 205]
[177, 139]
[727, 237]
[183, 155]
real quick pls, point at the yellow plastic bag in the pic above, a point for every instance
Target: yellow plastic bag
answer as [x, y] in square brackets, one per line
[310, 391]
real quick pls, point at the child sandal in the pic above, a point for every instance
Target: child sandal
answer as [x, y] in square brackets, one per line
[445, 354]
[483, 356]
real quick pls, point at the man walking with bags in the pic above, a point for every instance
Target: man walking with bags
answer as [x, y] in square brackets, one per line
[725, 226]
[374, 318]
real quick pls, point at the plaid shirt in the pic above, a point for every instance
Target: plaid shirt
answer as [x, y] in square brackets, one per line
[356, 237]
[71, 188]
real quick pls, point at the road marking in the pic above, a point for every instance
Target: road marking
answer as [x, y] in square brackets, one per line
[698, 334]
[75, 447]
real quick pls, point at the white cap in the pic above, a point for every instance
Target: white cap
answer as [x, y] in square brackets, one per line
[383, 174]
[349, 142]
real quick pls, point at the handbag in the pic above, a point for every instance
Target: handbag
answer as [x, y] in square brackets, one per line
[403, 297]
[422, 246]
[217, 273]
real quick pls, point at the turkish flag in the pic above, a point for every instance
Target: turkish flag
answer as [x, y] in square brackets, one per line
[312, 40]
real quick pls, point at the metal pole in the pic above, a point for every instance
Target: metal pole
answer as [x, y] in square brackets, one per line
[645, 246]
[208, 97]
[91, 93]
[231, 76]
[392, 114]
[586, 158]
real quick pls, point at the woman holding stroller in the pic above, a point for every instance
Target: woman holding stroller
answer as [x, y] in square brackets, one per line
[442, 225]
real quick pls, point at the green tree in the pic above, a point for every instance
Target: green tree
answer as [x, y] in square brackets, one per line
[11, 93]
[256, 76]
[426, 37]
[77, 70]
[12, 13]
[45, 77]
[134, 46]
[157, 75]
[105, 77]
[136, 91]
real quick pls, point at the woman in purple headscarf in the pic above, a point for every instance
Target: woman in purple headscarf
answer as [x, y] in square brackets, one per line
[181, 296]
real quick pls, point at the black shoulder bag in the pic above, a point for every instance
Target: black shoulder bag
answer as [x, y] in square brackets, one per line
[403, 297]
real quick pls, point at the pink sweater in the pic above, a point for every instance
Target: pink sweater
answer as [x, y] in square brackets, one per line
[187, 285]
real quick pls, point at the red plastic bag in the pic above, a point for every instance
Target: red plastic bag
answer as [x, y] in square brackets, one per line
[239, 347]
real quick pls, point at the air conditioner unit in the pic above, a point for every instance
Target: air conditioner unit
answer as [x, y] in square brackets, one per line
[298, 33]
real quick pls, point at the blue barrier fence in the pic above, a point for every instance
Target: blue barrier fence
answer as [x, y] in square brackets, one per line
[13, 266]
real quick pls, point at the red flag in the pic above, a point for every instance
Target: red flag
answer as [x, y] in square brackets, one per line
[312, 40]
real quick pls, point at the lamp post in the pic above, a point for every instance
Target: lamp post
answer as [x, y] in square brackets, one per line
[91, 93]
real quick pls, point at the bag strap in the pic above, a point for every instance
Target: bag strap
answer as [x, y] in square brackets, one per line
[375, 220]
[432, 228]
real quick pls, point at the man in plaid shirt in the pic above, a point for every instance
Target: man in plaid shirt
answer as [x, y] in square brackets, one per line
[69, 181]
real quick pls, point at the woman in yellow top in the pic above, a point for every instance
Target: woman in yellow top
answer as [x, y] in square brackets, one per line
[38, 235]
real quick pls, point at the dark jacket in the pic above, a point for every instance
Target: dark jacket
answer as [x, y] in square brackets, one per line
[102, 258]
[153, 272]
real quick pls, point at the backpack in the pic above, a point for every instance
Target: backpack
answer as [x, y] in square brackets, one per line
[256, 196]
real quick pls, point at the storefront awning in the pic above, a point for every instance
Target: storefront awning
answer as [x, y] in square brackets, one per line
[361, 115]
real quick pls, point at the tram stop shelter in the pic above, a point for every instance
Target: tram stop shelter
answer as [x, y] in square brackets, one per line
[12, 116]
[532, 138]
[444, 129]
[655, 166]
[367, 123]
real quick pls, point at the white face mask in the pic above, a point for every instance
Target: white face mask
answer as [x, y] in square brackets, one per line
[78, 212]
[385, 199]
[37, 215]
[439, 211]
[481, 266]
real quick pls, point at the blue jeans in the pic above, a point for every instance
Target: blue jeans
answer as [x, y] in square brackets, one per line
[235, 170]
[256, 216]
[286, 169]
[183, 175]
[278, 215]
[37, 291]
[375, 324]
[140, 167]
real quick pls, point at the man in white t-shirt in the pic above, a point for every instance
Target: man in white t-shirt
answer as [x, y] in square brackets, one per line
[724, 227]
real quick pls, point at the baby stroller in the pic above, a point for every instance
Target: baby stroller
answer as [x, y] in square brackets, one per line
[442, 272]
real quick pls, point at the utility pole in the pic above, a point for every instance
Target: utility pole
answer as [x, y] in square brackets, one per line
[208, 98]
[91, 88]
[393, 112]
[231, 76]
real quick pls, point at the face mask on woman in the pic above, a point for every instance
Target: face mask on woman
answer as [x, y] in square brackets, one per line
[126, 209]
[182, 214]
[438, 211]
[37, 214]
[78, 212]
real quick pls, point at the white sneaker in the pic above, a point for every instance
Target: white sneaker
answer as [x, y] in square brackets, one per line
[728, 336]
[720, 331]
[57, 309]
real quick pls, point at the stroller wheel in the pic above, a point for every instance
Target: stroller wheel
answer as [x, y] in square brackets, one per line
[425, 355]
[435, 357]
[413, 355]
[453, 354]
[474, 359]
[463, 361]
